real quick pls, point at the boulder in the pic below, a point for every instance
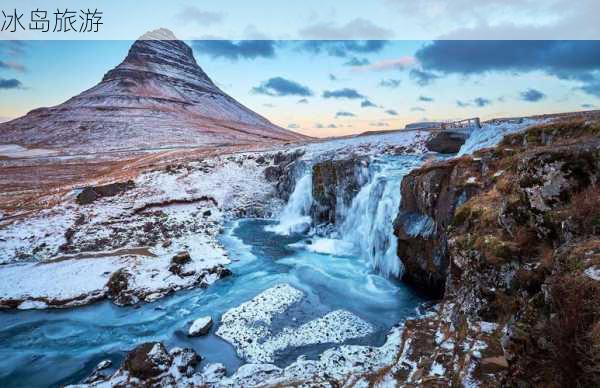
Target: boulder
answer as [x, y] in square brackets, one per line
[200, 326]
[148, 360]
[446, 142]
[178, 261]
[90, 194]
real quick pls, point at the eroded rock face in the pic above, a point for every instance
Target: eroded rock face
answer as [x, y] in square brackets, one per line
[335, 183]
[285, 171]
[446, 142]
[430, 196]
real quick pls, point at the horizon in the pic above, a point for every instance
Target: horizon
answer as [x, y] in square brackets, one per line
[350, 86]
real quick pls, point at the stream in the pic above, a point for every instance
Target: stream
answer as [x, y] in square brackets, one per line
[348, 268]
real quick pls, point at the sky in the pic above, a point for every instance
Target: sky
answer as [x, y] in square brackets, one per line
[382, 70]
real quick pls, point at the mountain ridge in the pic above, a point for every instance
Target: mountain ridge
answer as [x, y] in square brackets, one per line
[158, 96]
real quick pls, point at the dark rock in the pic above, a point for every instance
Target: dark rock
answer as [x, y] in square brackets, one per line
[178, 261]
[430, 196]
[117, 285]
[147, 360]
[446, 142]
[92, 193]
[331, 178]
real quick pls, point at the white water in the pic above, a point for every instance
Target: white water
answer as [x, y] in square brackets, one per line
[295, 216]
[365, 228]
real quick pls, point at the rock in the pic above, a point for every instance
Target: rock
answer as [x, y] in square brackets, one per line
[147, 360]
[178, 261]
[200, 326]
[429, 198]
[446, 142]
[92, 193]
[103, 365]
[332, 177]
[117, 285]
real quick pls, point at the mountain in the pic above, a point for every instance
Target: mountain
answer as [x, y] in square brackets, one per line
[157, 97]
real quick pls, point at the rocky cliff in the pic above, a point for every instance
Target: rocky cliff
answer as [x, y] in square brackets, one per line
[512, 238]
[157, 97]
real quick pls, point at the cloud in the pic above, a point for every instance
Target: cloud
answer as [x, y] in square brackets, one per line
[293, 126]
[532, 95]
[481, 102]
[388, 64]
[303, 101]
[10, 83]
[278, 87]
[390, 83]
[417, 109]
[344, 114]
[8, 65]
[332, 77]
[587, 106]
[478, 102]
[391, 112]
[425, 99]
[358, 28]
[342, 48]
[343, 93]
[367, 104]
[422, 78]
[379, 124]
[354, 61]
[234, 50]
[196, 15]
[567, 60]
[319, 125]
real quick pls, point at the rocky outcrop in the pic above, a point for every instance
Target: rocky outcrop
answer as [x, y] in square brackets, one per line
[446, 142]
[285, 170]
[90, 194]
[517, 251]
[150, 364]
[430, 196]
[335, 183]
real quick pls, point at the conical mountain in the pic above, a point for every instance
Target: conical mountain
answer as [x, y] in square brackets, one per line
[157, 97]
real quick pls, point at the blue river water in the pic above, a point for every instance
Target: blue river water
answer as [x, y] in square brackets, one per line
[56, 347]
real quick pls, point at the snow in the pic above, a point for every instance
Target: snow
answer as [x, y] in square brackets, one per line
[593, 272]
[491, 133]
[200, 326]
[248, 327]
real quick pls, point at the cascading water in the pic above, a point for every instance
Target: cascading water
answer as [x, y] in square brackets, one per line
[368, 223]
[295, 216]
[365, 228]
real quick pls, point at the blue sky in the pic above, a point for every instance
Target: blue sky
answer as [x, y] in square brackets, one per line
[311, 87]
[406, 67]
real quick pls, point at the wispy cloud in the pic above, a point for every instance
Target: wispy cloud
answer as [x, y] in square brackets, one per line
[532, 95]
[194, 14]
[278, 87]
[367, 104]
[390, 83]
[358, 28]
[388, 64]
[425, 99]
[344, 114]
[9, 65]
[343, 93]
[11, 83]
[391, 112]
[234, 50]
[423, 78]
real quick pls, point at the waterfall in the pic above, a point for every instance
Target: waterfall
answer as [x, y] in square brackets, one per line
[366, 225]
[295, 216]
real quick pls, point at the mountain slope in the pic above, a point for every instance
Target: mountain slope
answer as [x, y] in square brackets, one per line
[157, 97]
